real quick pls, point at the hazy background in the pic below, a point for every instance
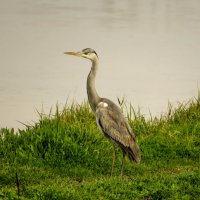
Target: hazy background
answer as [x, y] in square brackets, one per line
[149, 52]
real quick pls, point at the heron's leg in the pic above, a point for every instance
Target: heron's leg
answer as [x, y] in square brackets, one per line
[113, 160]
[123, 159]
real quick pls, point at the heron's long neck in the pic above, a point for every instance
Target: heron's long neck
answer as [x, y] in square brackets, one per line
[93, 97]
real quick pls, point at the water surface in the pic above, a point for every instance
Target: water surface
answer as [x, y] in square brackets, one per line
[149, 53]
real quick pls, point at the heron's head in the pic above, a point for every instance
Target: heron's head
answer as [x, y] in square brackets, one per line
[85, 53]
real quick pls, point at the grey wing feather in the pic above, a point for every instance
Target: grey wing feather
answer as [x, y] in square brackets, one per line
[114, 125]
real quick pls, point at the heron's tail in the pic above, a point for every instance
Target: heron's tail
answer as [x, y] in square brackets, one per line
[134, 153]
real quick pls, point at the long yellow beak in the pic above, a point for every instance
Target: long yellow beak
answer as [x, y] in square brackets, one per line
[74, 53]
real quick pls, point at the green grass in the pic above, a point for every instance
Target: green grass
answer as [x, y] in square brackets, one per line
[64, 156]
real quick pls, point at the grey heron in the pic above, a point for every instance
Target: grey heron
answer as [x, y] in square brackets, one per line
[109, 116]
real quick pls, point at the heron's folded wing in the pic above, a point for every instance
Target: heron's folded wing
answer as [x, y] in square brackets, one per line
[114, 125]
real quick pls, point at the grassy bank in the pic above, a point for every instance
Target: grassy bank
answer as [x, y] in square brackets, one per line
[64, 156]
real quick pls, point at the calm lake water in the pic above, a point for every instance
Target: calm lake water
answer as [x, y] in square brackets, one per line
[149, 53]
